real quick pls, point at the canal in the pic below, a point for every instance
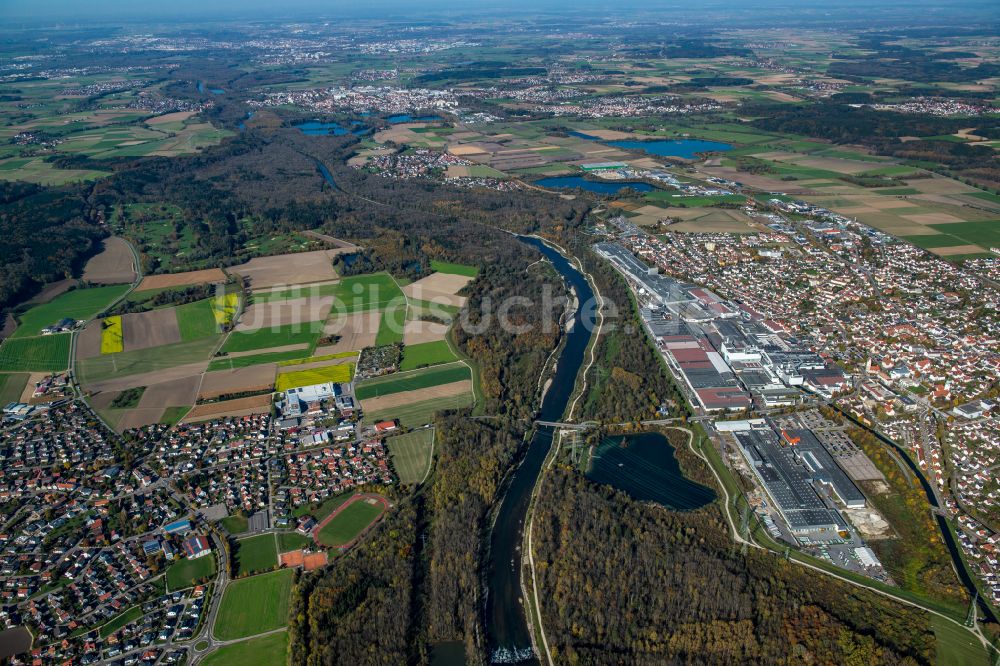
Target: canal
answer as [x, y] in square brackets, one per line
[506, 624]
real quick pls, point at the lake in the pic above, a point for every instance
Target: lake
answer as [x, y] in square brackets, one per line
[644, 467]
[600, 187]
[407, 118]
[317, 128]
[685, 148]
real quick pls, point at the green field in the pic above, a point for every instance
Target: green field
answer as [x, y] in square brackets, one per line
[426, 353]
[421, 413]
[144, 360]
[131, 615]
[298, 291]
[288, 541]
[411, 454]
[44, 353]
[196, 320]
[390, 329]
[255, 554]
[223, 363]
[454, 269]
[235, 524]
[359, 293]
[957, 646]
[264, 651]
[984, 234]
[323, 510]
[11, 386]
[349, 523]
[274, 336]
[254, 605]
[75, 304]
[171, 415]
[185, 573]
[411, 381]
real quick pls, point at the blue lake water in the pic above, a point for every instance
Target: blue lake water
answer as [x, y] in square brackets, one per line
[644, 466]
[407, 118]
[599, 187]
[317, 128]
[685, 148]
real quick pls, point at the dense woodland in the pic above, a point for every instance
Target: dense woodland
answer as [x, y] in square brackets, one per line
[627, 381]
[46, 234]
[362, 611]
[883, 132]
[685, 595]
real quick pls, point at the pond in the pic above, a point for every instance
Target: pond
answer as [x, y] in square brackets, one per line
[333, 128]
[611, 187]
[644, 467]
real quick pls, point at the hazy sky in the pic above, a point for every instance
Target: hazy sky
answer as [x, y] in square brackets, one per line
[104, 10]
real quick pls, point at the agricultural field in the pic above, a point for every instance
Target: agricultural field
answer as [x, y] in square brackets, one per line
[338, 374]
[112, 340]
[427, 353]
[185, 573]
[255, 554]
[412, 381]
[254, 605]
[417, 413]
[349, 522]
[360, 293]
[80, 304]
[392, 326]
[263, 651]
[276, 336]
[12, 385]
[411, 454]
[454, 269]
[44, 353]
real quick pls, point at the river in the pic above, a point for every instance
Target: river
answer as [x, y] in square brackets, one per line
[506, 624]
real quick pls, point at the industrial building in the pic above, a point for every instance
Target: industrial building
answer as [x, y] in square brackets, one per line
[788, 483]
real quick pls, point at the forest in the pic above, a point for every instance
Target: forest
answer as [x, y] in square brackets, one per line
[47, 235]
[690, 597]
[623, 357]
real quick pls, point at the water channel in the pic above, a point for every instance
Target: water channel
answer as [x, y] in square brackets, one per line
[506, 624]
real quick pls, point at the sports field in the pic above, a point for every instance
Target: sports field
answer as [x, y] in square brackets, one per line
[263, 651]
[112, 340]
[75, 304]
[256, 554]
[411, 454]
[44, 353]
[426, 353]
[254, 605]
[349, 522]
[338, 374]
[366, 292]
[413, 380]
[185, 573]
